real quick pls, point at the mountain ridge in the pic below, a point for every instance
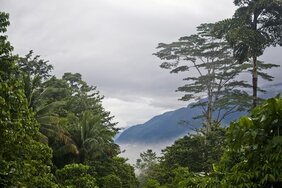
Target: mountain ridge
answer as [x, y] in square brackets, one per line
[167, 126]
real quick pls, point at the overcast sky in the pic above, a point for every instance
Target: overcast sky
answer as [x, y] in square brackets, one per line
[110, 42]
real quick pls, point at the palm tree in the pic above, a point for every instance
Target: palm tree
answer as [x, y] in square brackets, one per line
[71, 117]
[255, 25]
[46, 100]
[92, 138]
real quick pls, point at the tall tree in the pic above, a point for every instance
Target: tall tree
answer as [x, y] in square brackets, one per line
[195, 151]
[34, 72]
[145, 166]
[46, 100]
[24, 162]
[72, 118]
[211, 74]
[93, 140]
[84, 97]
[88, 124]
[256, 25]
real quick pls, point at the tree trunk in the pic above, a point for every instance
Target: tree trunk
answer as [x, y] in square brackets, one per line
[255, 73]
[255, 82]
[209, 117]
[209, 111]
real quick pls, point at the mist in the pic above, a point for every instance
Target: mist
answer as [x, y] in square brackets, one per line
[132, 151]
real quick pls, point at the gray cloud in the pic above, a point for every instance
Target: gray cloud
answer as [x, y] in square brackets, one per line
[110, 42]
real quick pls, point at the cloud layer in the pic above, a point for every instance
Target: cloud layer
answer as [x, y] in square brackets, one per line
[110, 42]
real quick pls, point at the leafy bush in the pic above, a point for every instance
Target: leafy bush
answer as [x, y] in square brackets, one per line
[112, 181]
[76, 175]
[254, 147]
[151, 183]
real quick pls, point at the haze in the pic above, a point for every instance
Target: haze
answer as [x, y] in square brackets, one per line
[110, 42]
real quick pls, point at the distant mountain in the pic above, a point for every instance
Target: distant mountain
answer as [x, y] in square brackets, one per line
[167, 126]
[174, 124]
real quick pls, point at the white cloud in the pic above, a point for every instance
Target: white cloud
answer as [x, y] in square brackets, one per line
[110, 42]
[132, 112]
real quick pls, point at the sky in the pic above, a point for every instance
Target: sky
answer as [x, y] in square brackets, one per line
[111, 42]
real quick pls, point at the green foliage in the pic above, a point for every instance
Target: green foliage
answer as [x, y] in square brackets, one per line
[146, 166]
[111, 181]
[182, 178]
[24, 162]
[71, 120]
[88, 129]
[34, 71]
[125, 172]
[213, 84]
[116, 166]
[197, 152]
[151, 183]
[253, 154]
[74, 122]
[5, 46]
[92, 138]
[47, 101]
[76, 176]
[148, 159]
[255, 26]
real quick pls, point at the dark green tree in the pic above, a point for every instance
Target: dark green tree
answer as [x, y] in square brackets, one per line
[211, 70]
[145, 166]
[92, 138]
[76, 176]
[251, 158]
[24, 162]
[195, 151]
[71, 118]
[111, 181]
[254, 146]
[84, 97]
[70, 113]
[151, 183]
[44, 99]
[125, 172]
[47, 101]
[256, 25]
[34, 72]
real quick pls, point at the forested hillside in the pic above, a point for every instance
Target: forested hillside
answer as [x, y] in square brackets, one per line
[55, 131]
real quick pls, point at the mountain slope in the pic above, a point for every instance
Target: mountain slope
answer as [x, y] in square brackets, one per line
[162, 127]
[167, 126]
